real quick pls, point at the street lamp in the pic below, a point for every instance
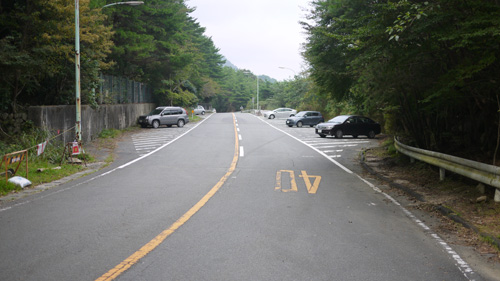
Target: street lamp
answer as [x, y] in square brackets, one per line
[258, 108]
[294, 73]
[130, 3]
[257, 76]
[78, 125]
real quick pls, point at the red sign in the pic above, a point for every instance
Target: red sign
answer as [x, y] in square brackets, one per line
[76, 148]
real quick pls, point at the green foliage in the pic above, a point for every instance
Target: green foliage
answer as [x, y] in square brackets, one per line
[50, 158]
[109, 133]
[152, 43]
[51, 172]
[430, 68]
[179, 97]
[37, 46]
[160, 44]
[29, 139]
[237, 87]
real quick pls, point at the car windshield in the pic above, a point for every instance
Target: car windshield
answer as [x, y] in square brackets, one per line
[338, 119]
[300, 114]
[156, 111]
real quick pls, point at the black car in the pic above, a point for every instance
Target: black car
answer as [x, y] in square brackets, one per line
[310, 118]
[348, 125]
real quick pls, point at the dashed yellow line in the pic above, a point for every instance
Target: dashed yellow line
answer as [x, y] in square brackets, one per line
[151, 245]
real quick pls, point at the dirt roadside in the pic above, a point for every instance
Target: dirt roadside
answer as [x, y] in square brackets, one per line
[463, 212]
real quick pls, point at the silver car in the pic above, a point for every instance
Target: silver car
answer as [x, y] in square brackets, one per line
[282, 112]
[199, 110]
[164, 115]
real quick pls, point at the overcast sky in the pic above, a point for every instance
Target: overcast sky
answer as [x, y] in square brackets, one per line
[258, 35]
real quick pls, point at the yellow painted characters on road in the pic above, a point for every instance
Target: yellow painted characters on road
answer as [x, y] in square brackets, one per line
[312, 187]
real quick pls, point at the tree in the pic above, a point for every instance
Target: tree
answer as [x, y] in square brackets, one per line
[432, 66]
[38, 40]
[160, 44]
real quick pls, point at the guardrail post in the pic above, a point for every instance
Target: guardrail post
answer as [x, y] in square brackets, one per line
[442, 174]
[484, 173]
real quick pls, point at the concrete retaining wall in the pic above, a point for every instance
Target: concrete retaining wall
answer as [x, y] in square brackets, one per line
[61, 118]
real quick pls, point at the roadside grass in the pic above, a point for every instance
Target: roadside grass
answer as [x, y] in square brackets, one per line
[40, 170]
[47, 167]
[194, 118]
[109, 133]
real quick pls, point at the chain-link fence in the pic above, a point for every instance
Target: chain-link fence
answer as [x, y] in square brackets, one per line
[116, 90]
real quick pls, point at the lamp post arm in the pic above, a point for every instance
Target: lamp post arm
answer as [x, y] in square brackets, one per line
[130, 3]
[294, 73]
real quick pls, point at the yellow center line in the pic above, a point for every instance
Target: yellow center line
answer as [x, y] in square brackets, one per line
[155, 242]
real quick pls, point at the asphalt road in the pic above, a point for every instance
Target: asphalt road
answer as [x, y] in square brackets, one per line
[231, 198]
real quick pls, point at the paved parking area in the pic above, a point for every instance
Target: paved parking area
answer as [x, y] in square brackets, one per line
[149, 139]
[345, 151]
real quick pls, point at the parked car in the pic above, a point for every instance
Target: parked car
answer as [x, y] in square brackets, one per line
[199, 110]
[280, 113]
[310, 118]
[348, 125]
[164, 115]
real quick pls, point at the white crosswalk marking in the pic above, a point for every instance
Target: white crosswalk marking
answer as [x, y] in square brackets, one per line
[333, 147]
[147, 140]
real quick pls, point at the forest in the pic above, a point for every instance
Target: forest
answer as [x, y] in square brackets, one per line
[427, 70]
[158, 44]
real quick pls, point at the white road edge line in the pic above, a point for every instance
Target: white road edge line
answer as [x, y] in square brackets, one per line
[460, 263]
[106, 173]
[312, 147]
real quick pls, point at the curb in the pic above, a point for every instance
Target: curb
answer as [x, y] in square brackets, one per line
[443, 210]
[91, 168]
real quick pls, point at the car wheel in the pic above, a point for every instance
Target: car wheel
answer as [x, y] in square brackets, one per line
[180, 123]
[203, 113]
[299, 124]
[371, 134]
[339, 134]
[322, 135]
[156, 124]
[271, 116]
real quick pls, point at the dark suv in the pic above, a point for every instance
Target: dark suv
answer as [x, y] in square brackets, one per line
[164, 115]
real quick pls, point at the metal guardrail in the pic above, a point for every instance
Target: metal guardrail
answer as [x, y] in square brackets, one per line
[484, 173]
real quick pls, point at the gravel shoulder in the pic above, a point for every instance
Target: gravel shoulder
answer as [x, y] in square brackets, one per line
[463, 211]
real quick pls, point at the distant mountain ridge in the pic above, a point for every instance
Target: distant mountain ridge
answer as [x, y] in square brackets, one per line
[262, 77]
[229, 64]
